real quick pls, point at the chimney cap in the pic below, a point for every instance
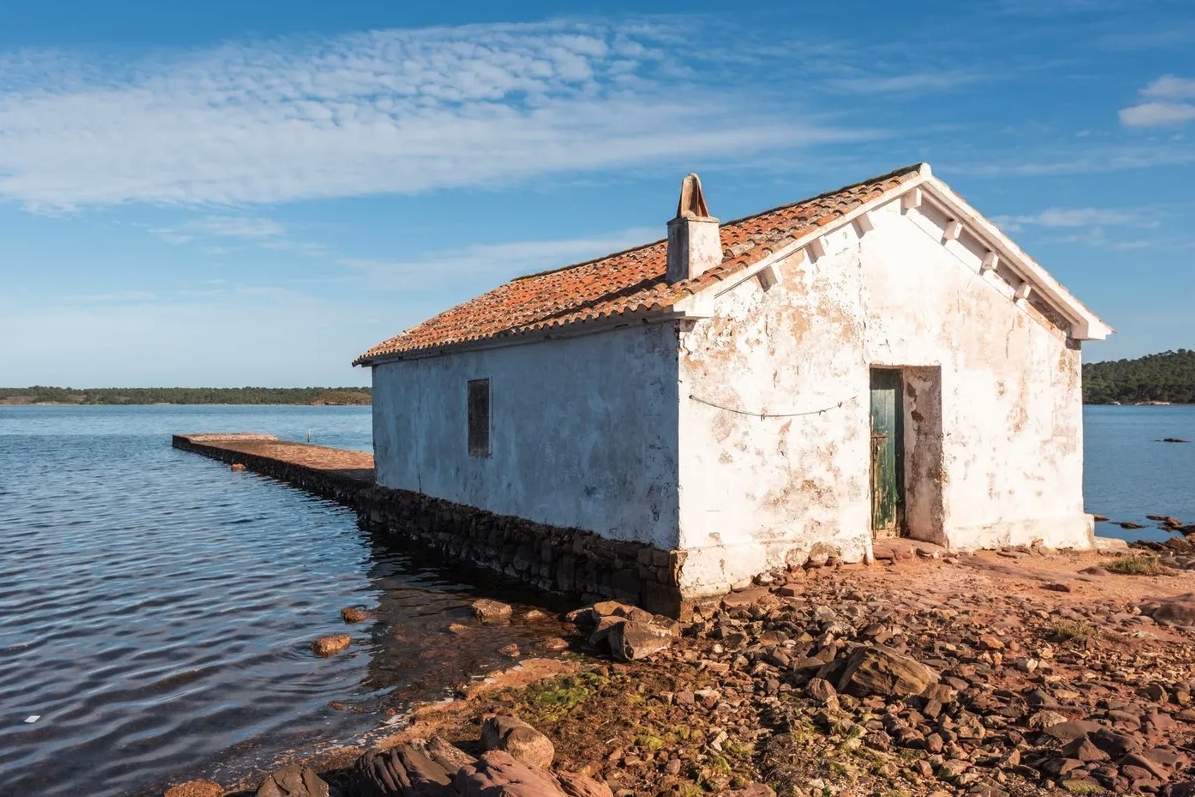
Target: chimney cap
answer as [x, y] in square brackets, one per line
[692, 200]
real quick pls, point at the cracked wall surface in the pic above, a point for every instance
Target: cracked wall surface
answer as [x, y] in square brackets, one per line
[993, 420]
[583, 431]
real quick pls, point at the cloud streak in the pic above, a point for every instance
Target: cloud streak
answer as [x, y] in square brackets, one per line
[380, 112]
[491, 263]
[1077, 217]
[1165, 106]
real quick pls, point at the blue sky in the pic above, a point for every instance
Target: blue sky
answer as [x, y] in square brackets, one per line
[228, 193]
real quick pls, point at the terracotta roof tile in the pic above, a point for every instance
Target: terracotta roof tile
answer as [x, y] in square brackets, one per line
[628, 281]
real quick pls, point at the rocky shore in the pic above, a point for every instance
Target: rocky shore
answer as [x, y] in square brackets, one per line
[1017, 672]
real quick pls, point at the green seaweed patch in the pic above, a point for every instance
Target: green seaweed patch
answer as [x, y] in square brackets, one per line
[1137, 566]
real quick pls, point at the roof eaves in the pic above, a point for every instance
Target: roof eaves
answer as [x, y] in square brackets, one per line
[656, 311]
[1088, 325]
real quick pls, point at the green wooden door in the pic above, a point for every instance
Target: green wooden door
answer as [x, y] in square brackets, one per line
[887, 453]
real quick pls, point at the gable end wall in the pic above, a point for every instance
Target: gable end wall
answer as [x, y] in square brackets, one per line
[992, 402]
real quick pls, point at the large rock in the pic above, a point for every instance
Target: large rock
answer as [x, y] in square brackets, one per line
[499, 774]
[754, 790]
[293, 781]
[631, 640]
[419, 769]
[582, 786]
[879, 670]
[196, 788]
[489, 611]
[330, 645]
[1068, 730]
[516, 737]
[1179, 610]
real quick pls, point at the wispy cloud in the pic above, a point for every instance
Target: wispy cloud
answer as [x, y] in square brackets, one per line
[1169, 87]
[383, 111]
[1084, 226]
[1093, 160]
[237, 227]
[1078, 217]
[1165, 106]
[912, 83]
[1156, 114]
[492, 263]
[1171, 36]
[266, 233]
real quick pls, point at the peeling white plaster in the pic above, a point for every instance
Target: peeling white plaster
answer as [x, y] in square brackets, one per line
[655, 434]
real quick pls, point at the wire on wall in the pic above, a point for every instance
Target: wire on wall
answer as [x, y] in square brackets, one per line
[762, 415]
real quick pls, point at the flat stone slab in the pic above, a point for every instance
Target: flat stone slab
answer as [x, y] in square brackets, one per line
[226, 437]
[354, 465]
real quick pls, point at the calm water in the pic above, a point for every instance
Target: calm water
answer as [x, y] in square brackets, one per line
[156, 609]
[1128, 474]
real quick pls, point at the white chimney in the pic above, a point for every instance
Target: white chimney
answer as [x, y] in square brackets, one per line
[694, 245]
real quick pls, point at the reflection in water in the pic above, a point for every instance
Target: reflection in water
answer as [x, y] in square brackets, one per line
[421, 647]
[156, 609]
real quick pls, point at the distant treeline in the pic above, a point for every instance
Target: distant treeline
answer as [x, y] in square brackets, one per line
[1168, 377]
[185, 395]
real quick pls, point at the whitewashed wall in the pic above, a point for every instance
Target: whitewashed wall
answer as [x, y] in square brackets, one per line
[1004, 388]
[583, 431]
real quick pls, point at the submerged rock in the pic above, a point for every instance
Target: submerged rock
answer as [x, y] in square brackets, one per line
[293, 781]
[489, 611]
[330, 645]
[356, 614]
[516, 737]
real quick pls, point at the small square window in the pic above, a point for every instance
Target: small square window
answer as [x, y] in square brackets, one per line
[479, 417]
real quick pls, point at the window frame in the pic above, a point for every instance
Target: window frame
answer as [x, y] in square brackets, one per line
[479, 448]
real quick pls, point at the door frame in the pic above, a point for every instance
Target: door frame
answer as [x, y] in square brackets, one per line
[896, 441]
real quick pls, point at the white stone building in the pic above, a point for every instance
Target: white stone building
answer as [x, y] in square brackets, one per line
[880, 360]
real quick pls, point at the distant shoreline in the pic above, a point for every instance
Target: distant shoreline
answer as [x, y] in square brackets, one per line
[189, 396]
[183, 404]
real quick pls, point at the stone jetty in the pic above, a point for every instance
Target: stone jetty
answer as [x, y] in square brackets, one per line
[568, 561]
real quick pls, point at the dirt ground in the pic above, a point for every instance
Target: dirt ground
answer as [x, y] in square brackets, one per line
[1018, 635]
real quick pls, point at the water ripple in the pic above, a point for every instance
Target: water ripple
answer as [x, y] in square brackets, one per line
[156, 610]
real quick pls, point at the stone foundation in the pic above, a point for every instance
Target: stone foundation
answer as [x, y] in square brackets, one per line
[567, 561]
[555, 559]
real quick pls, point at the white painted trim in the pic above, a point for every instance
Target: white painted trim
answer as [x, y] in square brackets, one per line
[864, 223]
[911, 199]
[801, 247]
[1085, 325]
[816, 249]
[952, 231]
[769, 276]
